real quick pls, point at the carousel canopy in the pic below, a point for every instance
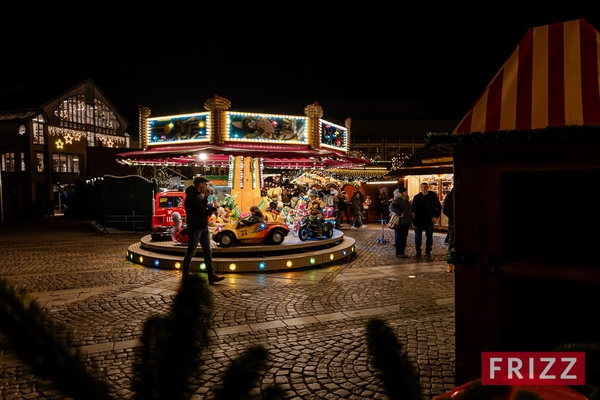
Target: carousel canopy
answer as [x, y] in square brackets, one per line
[274, 156]
[551, 79]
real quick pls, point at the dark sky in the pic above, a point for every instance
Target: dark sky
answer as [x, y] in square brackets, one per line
[172, 60]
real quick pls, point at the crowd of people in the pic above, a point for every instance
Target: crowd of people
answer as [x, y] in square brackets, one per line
[422, 212]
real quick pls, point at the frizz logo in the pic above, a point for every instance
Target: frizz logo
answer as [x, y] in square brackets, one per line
[533, 368]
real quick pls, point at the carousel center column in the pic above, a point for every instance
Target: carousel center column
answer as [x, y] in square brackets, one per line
[245, 172]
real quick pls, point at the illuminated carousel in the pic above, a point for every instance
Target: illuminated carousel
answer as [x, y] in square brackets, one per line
[246, 144]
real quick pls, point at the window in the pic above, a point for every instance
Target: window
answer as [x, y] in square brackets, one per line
[38, 130]
[66, 163]
[8, 162]
[23, 162]
[40, 162]
[76, 110]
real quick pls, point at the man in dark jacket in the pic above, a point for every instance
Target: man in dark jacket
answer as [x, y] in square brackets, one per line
[196, 209]
[426, 209]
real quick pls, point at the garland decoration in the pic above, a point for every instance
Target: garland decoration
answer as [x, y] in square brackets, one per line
[549, 134]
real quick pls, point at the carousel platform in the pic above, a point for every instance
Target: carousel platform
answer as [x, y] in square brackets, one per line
[291, 254]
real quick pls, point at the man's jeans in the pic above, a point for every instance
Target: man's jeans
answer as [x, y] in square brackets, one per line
[196, 236]
[428, 237]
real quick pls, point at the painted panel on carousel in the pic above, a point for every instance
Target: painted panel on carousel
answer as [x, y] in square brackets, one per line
[333, 136]
[263, 127]
[179, 129]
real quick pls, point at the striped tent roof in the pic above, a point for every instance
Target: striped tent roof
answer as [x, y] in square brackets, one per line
[551, 79]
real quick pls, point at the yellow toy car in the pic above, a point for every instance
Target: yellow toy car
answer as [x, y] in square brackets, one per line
[259, 232]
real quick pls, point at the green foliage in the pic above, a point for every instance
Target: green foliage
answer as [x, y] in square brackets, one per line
[172, 348]
[397, 374]
[32, 334]
[243, 373]
[565, 134]
[172, 344]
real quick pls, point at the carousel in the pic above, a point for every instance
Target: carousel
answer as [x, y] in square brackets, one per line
[246, 144]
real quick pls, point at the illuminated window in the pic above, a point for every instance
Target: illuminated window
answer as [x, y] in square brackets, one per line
[40, 162]
[77, 112]
[23, 162]
[8, 162]
[38, 130]
[66, 163]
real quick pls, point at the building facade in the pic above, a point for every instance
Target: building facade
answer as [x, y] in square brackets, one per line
[44, 148]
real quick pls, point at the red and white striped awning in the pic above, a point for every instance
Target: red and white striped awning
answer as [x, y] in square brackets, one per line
[551, 79]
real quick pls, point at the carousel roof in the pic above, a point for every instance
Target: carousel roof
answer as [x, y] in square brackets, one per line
[274, 156]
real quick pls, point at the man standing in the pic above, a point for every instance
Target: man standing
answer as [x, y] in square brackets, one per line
[426, 209]
[196, 209]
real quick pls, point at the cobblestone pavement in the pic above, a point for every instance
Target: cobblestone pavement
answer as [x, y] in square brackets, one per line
[312, 322]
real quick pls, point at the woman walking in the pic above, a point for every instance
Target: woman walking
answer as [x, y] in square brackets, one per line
[357, 210]
[401, 207]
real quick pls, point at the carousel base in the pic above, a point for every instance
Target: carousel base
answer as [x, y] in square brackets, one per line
[291, 254]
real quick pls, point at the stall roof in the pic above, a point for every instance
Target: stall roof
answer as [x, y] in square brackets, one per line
[425, 161]
[551, 79]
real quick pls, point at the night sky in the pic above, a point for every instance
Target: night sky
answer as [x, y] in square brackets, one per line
[172, 60]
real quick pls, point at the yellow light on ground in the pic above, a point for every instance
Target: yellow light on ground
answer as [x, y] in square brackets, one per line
[289, 264]
[178, 265]
[232, 267]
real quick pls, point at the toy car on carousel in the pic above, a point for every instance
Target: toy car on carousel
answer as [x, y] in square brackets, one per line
[259, 232]
[165, 204]
[309, 229]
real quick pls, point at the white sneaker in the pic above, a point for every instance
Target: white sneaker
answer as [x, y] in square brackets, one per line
[352, 227]
[363, 226]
